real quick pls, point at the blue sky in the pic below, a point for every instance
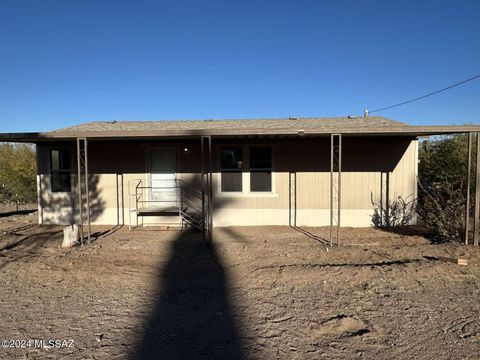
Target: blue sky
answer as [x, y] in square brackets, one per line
[67, 62]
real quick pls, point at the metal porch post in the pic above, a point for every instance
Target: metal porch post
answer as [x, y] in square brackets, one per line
[335, 185]
[210, 190]
[331, 189]
[469, 172]
[207, 187]
[339, 185]
[79, 190]
[82, 161]
[87, 192]
[202, 180]
[477, 195]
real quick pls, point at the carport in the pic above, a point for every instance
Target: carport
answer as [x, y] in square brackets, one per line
[292, 129]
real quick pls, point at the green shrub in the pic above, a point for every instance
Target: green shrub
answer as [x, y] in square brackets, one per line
[17, 173]
[442, 186]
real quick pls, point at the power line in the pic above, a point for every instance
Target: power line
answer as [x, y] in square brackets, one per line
[427, 95]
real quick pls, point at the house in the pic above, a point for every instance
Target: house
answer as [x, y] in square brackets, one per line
[297, 172]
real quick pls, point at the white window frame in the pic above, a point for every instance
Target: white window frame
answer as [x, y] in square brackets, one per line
[242, 169]
[264, 169]
[246, 173]
[50, 170]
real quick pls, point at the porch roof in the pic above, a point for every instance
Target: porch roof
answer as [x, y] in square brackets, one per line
[349, 126]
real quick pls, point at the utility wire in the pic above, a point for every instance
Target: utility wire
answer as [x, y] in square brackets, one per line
[427, 95]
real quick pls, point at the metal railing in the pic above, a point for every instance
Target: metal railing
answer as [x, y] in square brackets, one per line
[179, 198]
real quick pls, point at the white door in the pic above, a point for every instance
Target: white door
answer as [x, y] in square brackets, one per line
[163, 168]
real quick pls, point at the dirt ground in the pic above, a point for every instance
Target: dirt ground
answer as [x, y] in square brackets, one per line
[256, 293]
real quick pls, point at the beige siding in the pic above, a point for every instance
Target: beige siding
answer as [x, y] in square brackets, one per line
[404, 177]
[366, 161]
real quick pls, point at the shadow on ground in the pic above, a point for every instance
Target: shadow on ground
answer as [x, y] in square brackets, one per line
[96, 235]
[19, 212]
[311, 235]
[192, 318]
[407, 230]
[27, 246]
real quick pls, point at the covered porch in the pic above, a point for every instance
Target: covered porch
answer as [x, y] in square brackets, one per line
[328, 150]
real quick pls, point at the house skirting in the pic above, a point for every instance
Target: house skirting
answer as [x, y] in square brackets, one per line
[223, 217]
[304, 217]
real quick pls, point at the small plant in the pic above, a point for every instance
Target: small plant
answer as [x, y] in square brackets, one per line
[399, 212]
[442, 210]
[442, 187]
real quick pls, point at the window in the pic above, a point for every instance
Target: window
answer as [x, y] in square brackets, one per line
[231, 166]
[260, 169]
[60, 170]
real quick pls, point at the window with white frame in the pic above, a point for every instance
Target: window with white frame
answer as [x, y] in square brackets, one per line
[231, 168]
[60, 166]
[260, 168]
[253, 176]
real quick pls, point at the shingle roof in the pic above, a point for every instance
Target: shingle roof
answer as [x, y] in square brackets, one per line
[233, 126]
[227, 127]
[318, 126]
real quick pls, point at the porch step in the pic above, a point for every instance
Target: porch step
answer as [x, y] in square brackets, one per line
[193, 219]
[166, 211]
[187, 209]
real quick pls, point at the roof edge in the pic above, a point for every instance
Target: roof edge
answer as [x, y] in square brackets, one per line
[408, 130]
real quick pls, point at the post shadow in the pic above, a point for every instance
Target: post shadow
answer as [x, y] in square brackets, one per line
[192, 318]
[27, 246]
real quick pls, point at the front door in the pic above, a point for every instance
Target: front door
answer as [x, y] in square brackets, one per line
[163, 168]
